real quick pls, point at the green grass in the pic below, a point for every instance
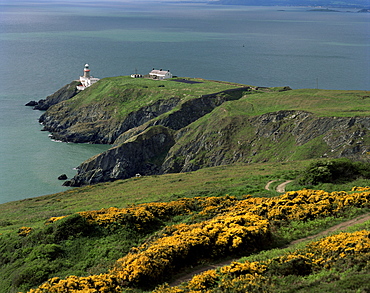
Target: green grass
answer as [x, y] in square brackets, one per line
[330, 187]
[238, 179]
[72, 247]
[124, 94]
[344, 276]
[322, 103]
[47, 253]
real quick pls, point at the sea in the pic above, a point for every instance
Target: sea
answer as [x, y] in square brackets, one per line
[45, 45]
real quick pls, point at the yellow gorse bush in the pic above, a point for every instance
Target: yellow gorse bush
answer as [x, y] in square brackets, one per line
[358, 188]
[294, 205]
[230, 225]
[307, 204]
[341, 245]
[103, 283]
[187, 243]
[143, 214]
[24, 231]
[240, 277]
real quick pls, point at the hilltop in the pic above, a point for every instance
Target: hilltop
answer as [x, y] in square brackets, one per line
[184, 124]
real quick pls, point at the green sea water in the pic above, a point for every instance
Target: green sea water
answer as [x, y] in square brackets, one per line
[45, 46]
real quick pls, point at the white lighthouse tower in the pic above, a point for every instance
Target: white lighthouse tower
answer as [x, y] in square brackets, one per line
[86, 80]
[86, 71]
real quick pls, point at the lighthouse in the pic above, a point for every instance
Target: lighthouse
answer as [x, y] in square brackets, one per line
[86, 71]
[86, 80]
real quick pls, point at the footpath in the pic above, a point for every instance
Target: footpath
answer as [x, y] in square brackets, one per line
[280, 188]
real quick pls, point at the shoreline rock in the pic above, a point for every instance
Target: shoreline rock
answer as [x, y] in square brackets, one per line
[63, 177]
[31, 104]
[65, 93]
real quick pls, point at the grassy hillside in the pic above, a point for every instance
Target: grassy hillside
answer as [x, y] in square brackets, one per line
[134, 235]
[276, 126]
[234, 180]
[124, 94]
[322, 103]
[91, 242]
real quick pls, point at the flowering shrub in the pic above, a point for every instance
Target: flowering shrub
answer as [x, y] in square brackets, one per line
[103, 283]
[24, 231]
[229, 226]
[307, 204]
[144, 215]
[358, 188]
[54, 219]
[253, 276]
[186, 243]
[237, 277]
[293, 205]
[339, 246]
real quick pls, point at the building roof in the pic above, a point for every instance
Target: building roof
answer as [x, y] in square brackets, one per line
[159, 72]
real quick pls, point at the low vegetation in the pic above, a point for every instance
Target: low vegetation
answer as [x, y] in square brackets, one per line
[144, 243]
[123, 94]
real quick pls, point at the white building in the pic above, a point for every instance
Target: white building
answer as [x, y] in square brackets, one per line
[86, 80]
[160, 74]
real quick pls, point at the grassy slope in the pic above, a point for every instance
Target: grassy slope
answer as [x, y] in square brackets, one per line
[97, 252]
[233, 180]
[323, 103]
[229, 119]
[127, 94]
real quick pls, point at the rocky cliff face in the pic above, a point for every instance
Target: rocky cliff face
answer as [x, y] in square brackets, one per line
[65, 93]
[96, 122]
[142, 154]
[278, 136]
[175, 135]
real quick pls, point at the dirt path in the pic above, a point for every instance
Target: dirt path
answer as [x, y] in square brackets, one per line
[267, 187]
[280, 188]
[187, 276]
[338, 227]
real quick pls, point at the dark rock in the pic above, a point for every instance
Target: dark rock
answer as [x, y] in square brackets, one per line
[143, 154]
[63, 177]
[31, 103]
[65, 93]
[260, 139]
[66, 183]
[94, 123]
[159, 138]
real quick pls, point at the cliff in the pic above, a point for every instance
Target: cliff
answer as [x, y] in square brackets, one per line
[161, 127]
[273, 137]
[65, 93]
[109, 108]
[142, 154]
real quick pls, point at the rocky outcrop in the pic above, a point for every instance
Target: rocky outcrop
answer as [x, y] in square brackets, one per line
[142, 154]
[278, 136]
[62, 177]
[65, 93]
[31, 103]
[96, 123]
[172, 134]
[194, 109]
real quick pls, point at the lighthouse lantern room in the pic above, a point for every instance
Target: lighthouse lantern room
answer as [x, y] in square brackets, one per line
[86, 71]
[86, 80]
